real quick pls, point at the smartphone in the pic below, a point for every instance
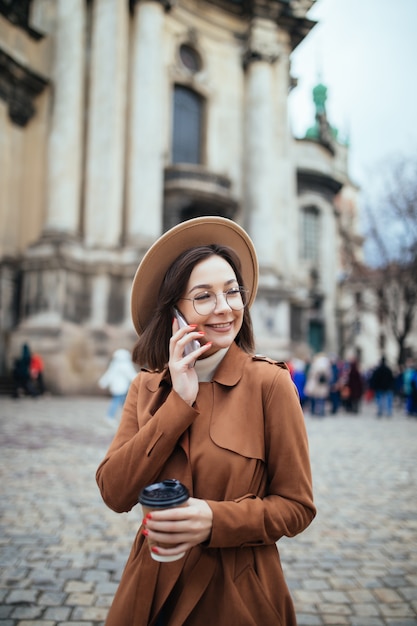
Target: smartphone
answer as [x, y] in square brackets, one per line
[192, 345]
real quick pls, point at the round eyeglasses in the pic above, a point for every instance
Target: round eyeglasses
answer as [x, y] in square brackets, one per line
[205, 302]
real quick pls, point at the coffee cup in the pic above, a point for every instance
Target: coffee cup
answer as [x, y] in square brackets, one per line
[169, 493]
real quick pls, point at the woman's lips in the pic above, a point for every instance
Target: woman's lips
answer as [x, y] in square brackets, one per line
[222, 326]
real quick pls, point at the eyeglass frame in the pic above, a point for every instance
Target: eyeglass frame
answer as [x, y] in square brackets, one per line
[242, 290]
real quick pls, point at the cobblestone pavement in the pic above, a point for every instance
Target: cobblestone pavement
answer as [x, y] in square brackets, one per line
[62, 551]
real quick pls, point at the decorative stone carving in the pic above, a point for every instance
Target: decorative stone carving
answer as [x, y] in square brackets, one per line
[19, 87]
[263, 44]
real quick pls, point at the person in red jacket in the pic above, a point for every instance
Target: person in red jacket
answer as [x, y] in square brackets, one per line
[36, 374]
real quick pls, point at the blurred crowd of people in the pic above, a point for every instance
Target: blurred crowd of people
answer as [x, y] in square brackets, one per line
[327, 384]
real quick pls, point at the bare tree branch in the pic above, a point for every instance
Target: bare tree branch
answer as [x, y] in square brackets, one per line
[392, 231]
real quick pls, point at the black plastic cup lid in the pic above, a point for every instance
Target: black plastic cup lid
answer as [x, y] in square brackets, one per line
[169, 492]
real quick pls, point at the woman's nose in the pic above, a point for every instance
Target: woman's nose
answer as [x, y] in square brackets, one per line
[221, 303]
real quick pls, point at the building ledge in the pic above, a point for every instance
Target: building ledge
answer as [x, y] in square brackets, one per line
[192, 191]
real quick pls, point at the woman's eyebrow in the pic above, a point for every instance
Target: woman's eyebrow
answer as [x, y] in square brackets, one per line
[204, 286]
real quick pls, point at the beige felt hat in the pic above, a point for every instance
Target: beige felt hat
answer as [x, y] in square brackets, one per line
[201, 231]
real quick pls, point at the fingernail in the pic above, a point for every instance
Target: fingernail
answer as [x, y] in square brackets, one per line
[145, 532]
[148, 516]
[155, 549]
[193, 325]
[201, 332]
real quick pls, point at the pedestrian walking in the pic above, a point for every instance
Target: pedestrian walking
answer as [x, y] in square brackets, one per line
[382, 383]
[117, 379]
[36, 374]
[318, 382]
[224, 422]
[22, 381]
[410, 388]
[335, 385]
[355, 387]
[298, 374]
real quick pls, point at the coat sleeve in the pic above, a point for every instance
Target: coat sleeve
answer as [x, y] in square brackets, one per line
[142, 444]
[287, 507]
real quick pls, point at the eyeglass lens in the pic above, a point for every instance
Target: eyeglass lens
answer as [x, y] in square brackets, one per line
[205, 302]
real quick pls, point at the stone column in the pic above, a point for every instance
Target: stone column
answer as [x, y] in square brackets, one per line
[99, 300]
[146, 164]
[285, 173]
[106, 124]
[261, 140]
[65, 140]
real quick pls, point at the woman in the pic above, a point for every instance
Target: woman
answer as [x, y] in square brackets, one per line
[225, 423]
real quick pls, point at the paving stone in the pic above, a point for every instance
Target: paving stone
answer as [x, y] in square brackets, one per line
[309, 620]
[78, 586]
[57, 613]
[74, 623]
[401, 622]
[27, 612]
[367, 621]
[36, 622]
[316, 585]
[90, 613]
[337, 597]
[396, 610]
[336, 620]
[367, 609]
[22, 596]
[359, 596]
[80, 599]
[387, 596]
[52, 599]
[409, 593]
[334, 609]
[95, 576]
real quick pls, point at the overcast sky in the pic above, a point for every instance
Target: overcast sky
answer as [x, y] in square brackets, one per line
[365, 52]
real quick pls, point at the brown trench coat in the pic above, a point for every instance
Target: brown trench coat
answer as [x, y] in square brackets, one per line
[243, 448]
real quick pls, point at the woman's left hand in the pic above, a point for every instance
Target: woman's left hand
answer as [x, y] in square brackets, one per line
[180, 528]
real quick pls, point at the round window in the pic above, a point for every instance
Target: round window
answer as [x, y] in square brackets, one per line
[190, 58]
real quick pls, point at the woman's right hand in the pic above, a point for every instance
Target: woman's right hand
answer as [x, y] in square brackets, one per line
[183, 375]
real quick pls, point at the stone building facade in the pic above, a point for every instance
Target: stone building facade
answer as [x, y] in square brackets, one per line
[120, 119]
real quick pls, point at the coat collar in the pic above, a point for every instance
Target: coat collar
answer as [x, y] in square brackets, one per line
[230, 369]
[228, 373]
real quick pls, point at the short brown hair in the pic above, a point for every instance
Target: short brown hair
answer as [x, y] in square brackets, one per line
[152, 348]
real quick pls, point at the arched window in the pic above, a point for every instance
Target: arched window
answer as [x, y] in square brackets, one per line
[187, 126]
[310, 233]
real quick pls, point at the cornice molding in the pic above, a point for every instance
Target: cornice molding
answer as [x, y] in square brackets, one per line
[297, 27]
[252, 56]
[19, 86]
[318, 182]
[166, 4]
